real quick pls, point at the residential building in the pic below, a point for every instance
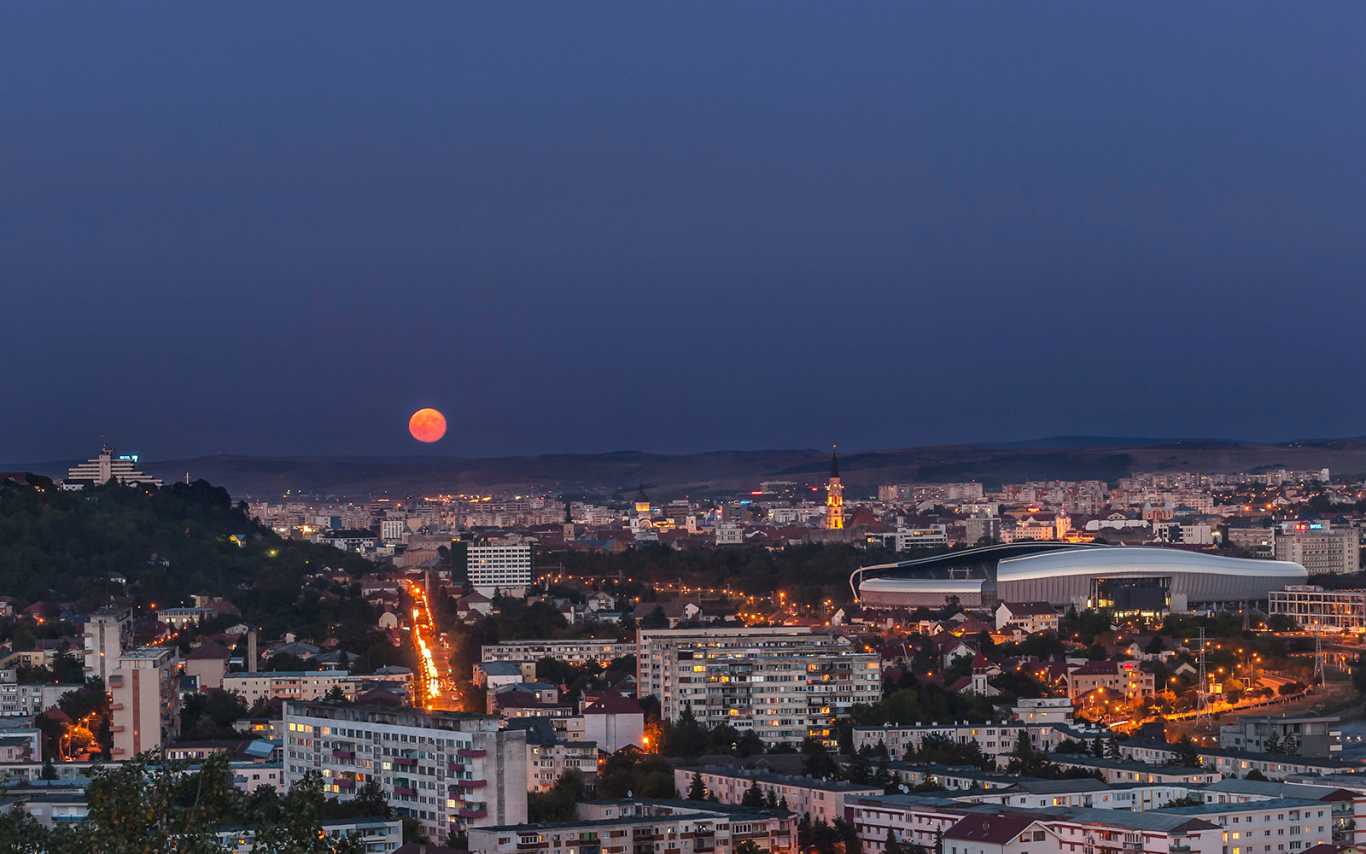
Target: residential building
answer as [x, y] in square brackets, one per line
[1299, 735]
[996, 739]
[982, 529]
[25, 701]
[1257, 541]
[495, 568]
[633, 826]
[1319, 548]
[818, 800]
[1005, 833]
[1311, 607]
[305, 684]
[781, 684]
[1278, 826]
[575, 652]
[612, 722]
[1124, 771]
[1028, 617]
[1238, 763]
[1043, 710]
[1125, 680]
[450, 771]
[144, 701]
[108, 632]
[376, 835]
[549, 756]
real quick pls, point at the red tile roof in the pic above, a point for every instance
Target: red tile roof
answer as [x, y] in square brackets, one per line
[994, 829]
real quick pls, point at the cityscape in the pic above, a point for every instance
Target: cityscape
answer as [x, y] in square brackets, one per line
[671, 428]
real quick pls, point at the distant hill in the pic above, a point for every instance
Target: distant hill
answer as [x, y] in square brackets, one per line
[667, 475]
[616, 473]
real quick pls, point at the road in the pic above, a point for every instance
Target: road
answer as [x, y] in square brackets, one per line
[434, 688]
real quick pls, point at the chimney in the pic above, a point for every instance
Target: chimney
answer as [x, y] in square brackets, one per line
[251, 651]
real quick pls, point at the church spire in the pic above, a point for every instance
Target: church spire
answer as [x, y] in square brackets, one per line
[835, 460]
[834, 494]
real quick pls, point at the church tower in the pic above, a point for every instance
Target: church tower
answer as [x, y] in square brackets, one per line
[568, 523]
[834, 494]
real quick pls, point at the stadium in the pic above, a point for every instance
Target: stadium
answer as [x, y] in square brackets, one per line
[1124, 578]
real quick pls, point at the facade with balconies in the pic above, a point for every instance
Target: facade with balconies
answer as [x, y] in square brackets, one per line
[449, 771]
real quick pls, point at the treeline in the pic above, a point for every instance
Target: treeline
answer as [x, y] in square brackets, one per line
[140, 807]
[168, 543]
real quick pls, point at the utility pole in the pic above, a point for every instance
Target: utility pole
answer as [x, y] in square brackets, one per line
[1320, 677]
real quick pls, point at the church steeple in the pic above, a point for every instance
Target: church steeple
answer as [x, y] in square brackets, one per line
[834, 494]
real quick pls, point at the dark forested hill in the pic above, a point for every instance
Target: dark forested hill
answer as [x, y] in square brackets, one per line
[167, 543]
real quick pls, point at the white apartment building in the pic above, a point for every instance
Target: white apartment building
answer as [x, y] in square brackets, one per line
[144, 701]
[302, 684]
[907, 539]
[1043, 710]
[781, 685]
[108, 632]
[818, 800]
[500, 568]
[451, 771]
[1311, 606]
[1319, 548]
[25, 701]
[1278, 826]
[627, 827]
[575, 652]
[995, 738]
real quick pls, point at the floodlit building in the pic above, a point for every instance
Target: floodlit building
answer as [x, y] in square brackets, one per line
[100, 469]
[1125, 579]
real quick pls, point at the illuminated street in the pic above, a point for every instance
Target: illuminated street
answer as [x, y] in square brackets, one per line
[433, 678]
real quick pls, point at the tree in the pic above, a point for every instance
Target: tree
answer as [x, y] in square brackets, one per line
[1098, 748]
[754, 796]
[1112, 748]
[747, 846]
[893, 847]
[1254, 774]
[1290, 745]
[816, 760]
[771, 800]
[696, 790]
[1272, 744]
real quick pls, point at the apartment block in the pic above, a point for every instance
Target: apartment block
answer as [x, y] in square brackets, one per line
[575, 652]
[996, 739]
[144, 701]
[450, 771]
[783, 685]
[1320, 549]
[108, 632]
[818, 800]
[1300, 735]
[303, 684]
[499, 568]
[633, 826]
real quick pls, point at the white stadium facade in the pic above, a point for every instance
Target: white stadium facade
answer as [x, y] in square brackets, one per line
[1125, 578]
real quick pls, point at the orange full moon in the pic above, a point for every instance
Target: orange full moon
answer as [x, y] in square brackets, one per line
[427, 425]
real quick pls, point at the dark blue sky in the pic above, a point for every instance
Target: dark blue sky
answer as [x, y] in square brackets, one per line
[278, 228]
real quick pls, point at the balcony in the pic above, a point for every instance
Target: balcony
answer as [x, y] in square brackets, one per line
[474, 812]
[471, 784]
[405, 792]
[471, 753]
[405, 762]
[344, 755]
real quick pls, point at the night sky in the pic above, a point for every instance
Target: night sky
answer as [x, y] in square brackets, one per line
[281, 227]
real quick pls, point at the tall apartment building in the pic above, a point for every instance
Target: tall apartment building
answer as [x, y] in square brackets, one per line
[108, 632]
[1319, 548]
[450, 771]
[1311, 606]
[783, 684]
[144, 701]
[499, 568]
